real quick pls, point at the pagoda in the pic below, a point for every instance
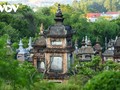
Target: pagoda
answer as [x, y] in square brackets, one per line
[54, 48]
[109, 52]
[39, 51]
[86, 52]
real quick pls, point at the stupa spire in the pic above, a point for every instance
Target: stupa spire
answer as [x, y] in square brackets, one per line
[59, 16]
[89, 42]
[86, 41]
[76, 44]
[30, 44]
[20, 45]
[21, 50]
[41, 29]
[83, 41]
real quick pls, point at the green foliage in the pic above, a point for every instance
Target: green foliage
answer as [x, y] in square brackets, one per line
[18, 25]
[111, 65]
[107, 80]
[64, 86]
[14, 74]
[117, 21]
[17, 75]
[101, 28]
[44, 17]
[88, 70]
[25, 41]
[3, 50]
[78, 80]
[11, 32]
[43, 85]
[96, 5]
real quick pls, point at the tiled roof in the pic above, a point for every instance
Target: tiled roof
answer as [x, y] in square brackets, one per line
[40, 41]
[86, 50]
[59, 30]
[93, 15]
[108, 53]
[112, 13]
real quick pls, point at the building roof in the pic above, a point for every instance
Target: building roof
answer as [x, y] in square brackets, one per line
[91, 15]
[59, 30]
[108, 53]
[86, 50]
[29, 44]
[112, 13]
[21, 50]
[40, 41]
[86, 46]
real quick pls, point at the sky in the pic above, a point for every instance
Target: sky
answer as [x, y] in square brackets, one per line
[39, 2]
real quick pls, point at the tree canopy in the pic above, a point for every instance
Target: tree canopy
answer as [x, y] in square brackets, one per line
[107, 80]
[96, 5]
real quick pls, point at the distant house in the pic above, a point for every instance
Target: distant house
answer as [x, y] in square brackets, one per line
[110, 15]
[92, 17]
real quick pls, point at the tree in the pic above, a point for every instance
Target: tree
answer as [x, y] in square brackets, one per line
[20, 24]
[117, 22]
[88, 70]
[107, 80]
[96, 7]
[103, 28]
[111, 5]
[12, 32]
[44, 16]
[108, 5]
[14, 74]
[75, 5]
[82, 27]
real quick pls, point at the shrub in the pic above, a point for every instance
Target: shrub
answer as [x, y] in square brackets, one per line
[107, 80]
